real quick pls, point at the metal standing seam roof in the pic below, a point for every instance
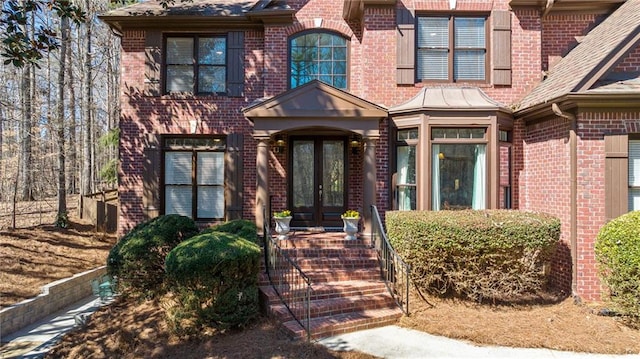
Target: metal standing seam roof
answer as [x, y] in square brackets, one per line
[598, 53]
[449, 98]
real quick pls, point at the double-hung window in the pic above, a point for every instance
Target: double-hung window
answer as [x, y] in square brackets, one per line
[318, 56]
[196, 64]
[452, 48]
[406, 189]
[634, 174]
[194, 177]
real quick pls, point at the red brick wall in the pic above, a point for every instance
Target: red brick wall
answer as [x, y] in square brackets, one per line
[630, 63]
[559, 34]
[545, 185]
[142, 115]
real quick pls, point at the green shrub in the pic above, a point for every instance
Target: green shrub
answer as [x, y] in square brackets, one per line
[138, 258]
[618, 255]
[214, 276]
[241, 227]
[493, 254]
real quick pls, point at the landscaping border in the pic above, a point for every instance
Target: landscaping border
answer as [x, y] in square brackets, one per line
[54, 297]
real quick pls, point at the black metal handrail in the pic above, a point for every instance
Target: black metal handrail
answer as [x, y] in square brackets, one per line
[395, 271]
[291, 284]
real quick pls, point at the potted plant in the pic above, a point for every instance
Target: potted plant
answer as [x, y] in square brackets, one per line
[350, 218]
[282, 220]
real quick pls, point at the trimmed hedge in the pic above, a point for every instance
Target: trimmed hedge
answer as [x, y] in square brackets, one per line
[138, 258]
[477, 255]
[215, 278]
[241, 227]
[617, 250]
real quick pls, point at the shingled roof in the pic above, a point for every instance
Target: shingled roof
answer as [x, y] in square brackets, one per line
[193, 12]
[590, 61]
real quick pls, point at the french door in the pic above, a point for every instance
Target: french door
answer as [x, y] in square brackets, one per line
[318, 178]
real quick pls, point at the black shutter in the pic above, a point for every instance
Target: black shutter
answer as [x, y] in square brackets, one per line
[151, 177]
[152, 63]
[233, 176]
[405, 47]
[616, 185]
[501, 47]
[235, 63]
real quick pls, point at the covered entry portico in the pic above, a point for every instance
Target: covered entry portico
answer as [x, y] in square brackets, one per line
[316, 154]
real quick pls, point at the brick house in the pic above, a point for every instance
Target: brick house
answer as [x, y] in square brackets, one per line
[320, 106]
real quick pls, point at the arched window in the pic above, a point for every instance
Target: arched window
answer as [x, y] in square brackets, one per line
[318, 55]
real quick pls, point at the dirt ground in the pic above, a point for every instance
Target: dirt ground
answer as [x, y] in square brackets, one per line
[31, 257]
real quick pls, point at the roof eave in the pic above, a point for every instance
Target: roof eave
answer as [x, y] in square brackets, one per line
[181, 22]
[353, 10]
[619, 101]
[571, 6]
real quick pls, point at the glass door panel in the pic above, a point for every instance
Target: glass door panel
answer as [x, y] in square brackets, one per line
[317, 185]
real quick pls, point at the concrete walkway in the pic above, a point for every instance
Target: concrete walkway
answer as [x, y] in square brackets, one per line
[35, 340]
[402, 343]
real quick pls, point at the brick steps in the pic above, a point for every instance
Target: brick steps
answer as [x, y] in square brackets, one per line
[347, 291]
[344, 323]
[333, 289]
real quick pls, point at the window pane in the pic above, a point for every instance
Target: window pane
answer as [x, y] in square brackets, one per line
[433, 64]
[469, 32]
[433, 32]
[212, 51]
[179, 50]
[303, 156]
[210, 168]
[318, 56]
[406, 159]
[410, 134]
[210, 202]
[469, 64]
[177, 168]
[178, 200]
[211, 79]
[179, 78]
[333, 173]
[634, 199]
[634, 163]
[459, 176]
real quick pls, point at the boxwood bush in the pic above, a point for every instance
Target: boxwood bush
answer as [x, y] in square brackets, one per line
[618, 255]
[477, 255]
[214, 276]
[138, 258]
[241, 227]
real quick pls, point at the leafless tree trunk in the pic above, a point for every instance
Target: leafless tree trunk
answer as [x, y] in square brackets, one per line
[25, 182]
[61, 219]
[87, 169]
[73, 157]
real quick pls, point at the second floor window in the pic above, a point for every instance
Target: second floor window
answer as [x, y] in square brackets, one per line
[451, 49]
[321, 56]
[196, 64]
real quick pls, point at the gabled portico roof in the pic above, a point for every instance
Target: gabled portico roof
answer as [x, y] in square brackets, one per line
[315, 104]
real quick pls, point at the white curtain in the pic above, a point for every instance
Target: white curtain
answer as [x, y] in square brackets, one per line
[435, 178]
[480, 178]
[404, 195]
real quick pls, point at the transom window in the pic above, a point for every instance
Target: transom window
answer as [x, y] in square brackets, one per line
[194, 177]
[451, 48]
[196, 64]
[321, 56]
[459, 168]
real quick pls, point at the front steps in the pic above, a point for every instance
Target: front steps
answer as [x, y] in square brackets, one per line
[347, 291]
